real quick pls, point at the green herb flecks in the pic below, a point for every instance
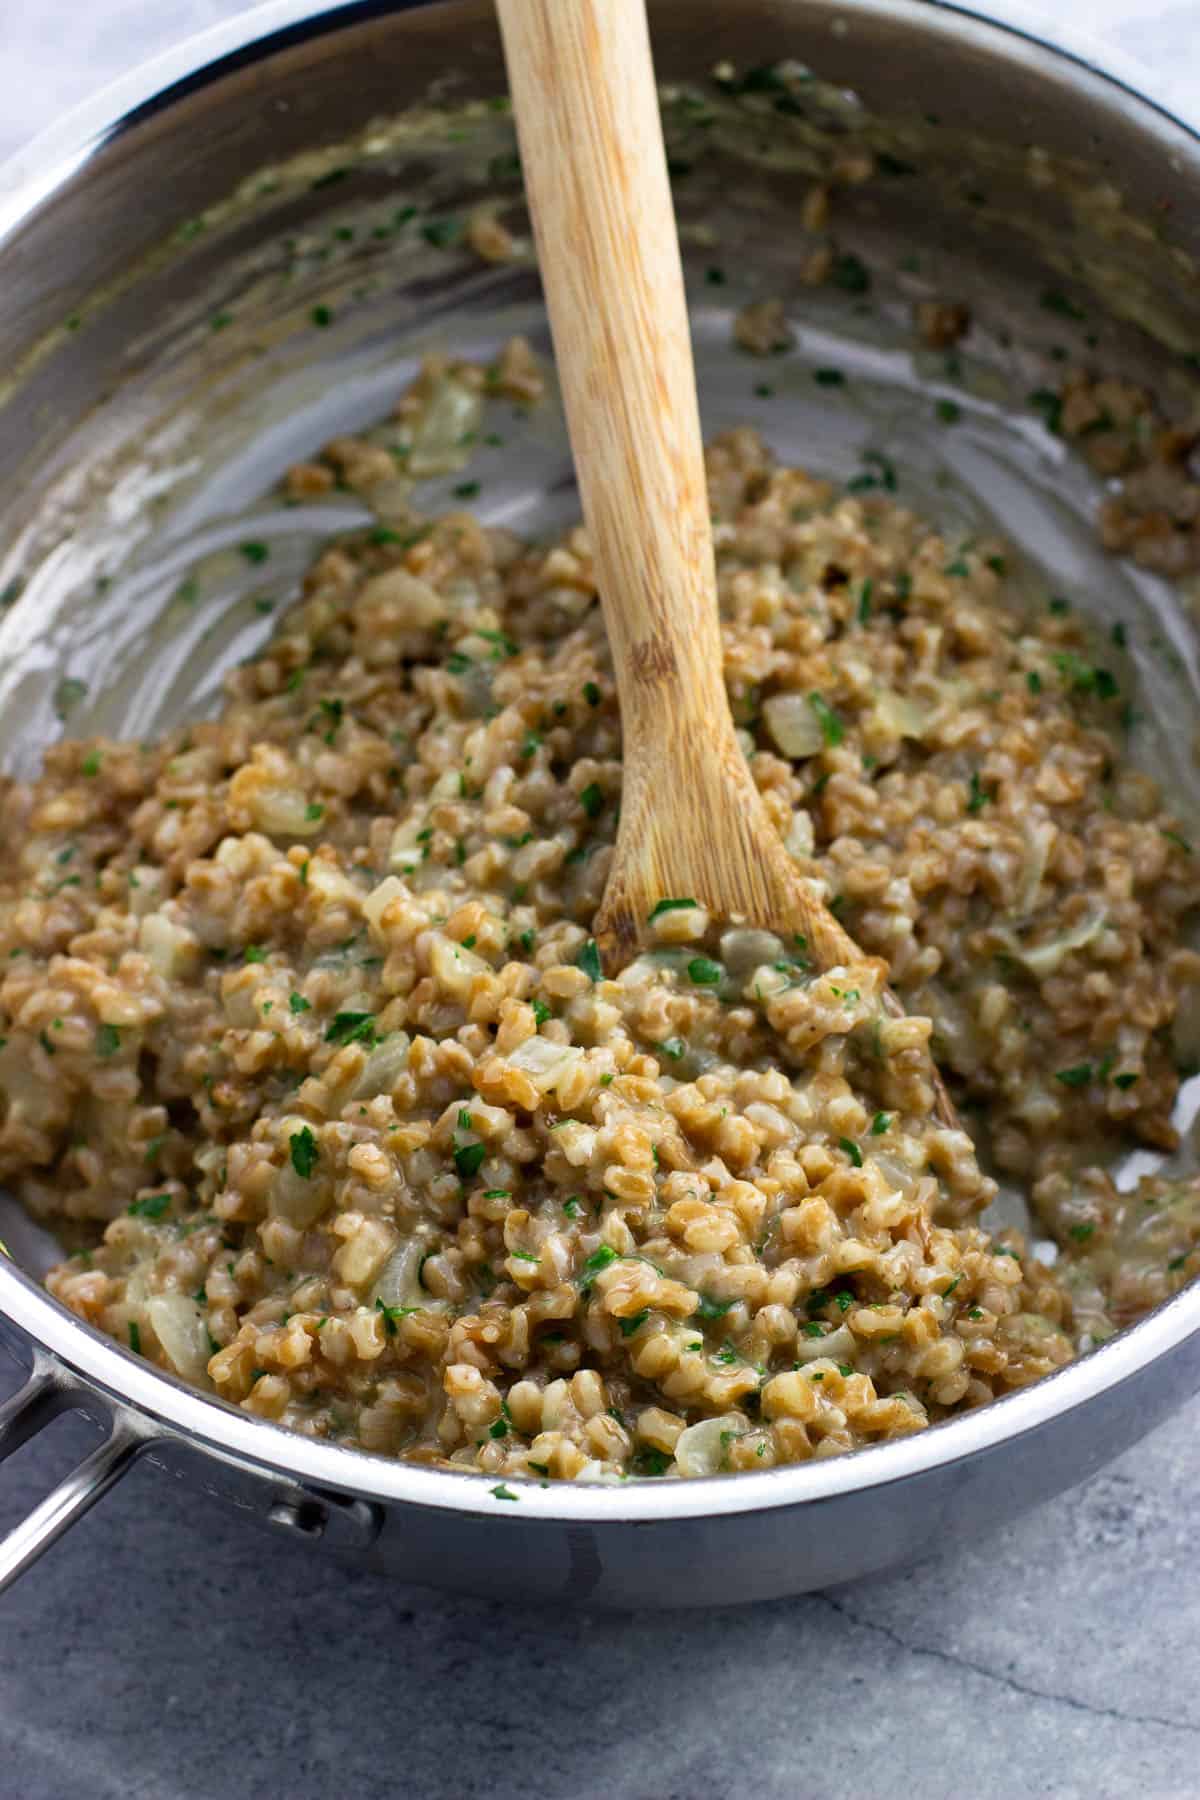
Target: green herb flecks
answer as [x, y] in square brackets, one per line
[153, 1207]
[832, 729]
[468, 1160]
[704, 972]
[351, 1028]
[666, 906]
[589, 961]
[302, 1146]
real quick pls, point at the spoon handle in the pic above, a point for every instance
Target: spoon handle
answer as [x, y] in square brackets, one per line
[595, 172]
[692, 821]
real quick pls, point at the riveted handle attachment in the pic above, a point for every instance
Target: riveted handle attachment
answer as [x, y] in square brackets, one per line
[47, 1393]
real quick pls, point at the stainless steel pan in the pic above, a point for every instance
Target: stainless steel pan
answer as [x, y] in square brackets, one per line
[118, 249]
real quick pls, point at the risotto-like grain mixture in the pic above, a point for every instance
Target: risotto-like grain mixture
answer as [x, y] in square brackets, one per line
[302, 1007]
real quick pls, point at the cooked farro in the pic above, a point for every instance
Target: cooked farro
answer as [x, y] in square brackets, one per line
[301, 1007]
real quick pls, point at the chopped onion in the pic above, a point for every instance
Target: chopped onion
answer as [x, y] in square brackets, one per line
[1039, 837]
[793, 724]
[1044, 959]
[453, 413]
[454, 968]
[744, 950]
[398, 1283]
[799, 841]
[180, 1328]
[384, 1067]
[895, 1172]
[170, 950]
[405, 597]
[599, 1474]
[145, 889]
[702, 1448]
[380, 898]
[900, 715]
[285, 812]
[298, 1199]
[838, 1344]
[545, 1062]
[405, 852]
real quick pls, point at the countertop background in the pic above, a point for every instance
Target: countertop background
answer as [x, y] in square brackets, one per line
[166, 1651]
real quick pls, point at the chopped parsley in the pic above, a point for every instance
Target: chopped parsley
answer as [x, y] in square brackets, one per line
[704, 972]
[666, 906]
[592, 800]
[1057, 302]
[303, 1147]
[850, 274]
[500, 1492]
[1048, 403]
[1075, 1077]
[880, 1123]
[135, 1338]
[880, 472]
[652, 1462]
[710, 1308]
[591, 693]
[1082, 678]
[831, 726]
[298, 1004]
[108, 1040]
[829, 377]
[391, 1314]
[254, 552]
[153, 1207]
[979, 795]
[442, 233]
[589, 960]
[852, 1151]
[468, 1160]
[599, 1259]
[351, 1028]
[629, 1326]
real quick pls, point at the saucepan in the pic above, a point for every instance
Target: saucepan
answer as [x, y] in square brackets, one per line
[201, 279]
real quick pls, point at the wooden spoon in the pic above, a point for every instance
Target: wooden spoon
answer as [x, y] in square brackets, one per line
[693, 824]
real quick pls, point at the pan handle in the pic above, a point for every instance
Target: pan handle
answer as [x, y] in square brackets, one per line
[30, 1410]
